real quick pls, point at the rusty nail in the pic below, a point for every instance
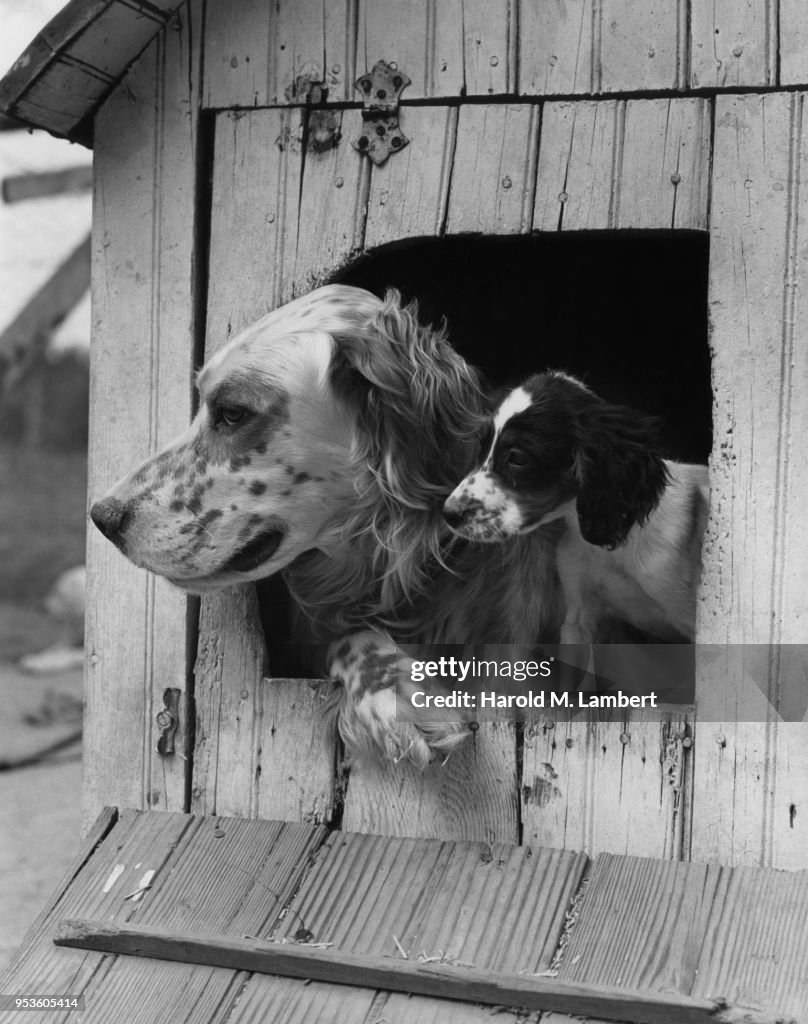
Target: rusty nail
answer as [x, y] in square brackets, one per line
[624, 738]
[687, 742]
[563, 197]
[568, 742]
[395, 142]
[218, 833]
[397, 81]
[366, 84]
[676, 178]
[381, 94]
[506, 182]
[494, 61]
[339, 182]
[364, 142]
[380, 129]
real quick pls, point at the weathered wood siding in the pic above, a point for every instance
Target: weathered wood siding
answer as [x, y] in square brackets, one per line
[142, 352]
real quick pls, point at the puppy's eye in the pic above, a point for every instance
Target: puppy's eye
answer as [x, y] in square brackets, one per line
[231, 415]
[517, 458]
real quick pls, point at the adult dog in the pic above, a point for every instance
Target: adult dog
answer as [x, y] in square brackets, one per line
[328, 436]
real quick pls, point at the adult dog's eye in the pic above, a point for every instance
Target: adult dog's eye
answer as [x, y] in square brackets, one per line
[517, 458]
[231, 415]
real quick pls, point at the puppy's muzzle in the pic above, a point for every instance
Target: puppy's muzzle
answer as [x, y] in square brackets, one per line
[110, 516]
[456, 515]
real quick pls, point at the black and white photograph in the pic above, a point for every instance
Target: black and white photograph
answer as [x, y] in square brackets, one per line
[403, 567]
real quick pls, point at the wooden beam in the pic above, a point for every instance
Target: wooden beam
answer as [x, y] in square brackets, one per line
[17, 187]
[29, 331]
[442, 980]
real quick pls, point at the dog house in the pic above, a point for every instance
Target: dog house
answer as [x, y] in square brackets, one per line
[583, 184]
[247, 153]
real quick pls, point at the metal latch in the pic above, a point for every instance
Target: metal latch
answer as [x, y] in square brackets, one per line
[168, 720]
[381, 89]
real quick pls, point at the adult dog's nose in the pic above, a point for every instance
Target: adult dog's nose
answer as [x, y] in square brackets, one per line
[109, 515]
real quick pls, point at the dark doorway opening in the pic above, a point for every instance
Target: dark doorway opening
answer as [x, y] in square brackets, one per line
[624, 311]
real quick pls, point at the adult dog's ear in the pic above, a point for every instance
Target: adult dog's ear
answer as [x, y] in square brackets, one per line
[619, 472]
[419, 403]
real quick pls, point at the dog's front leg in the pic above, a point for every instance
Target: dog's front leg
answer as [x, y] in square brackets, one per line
[377, 716]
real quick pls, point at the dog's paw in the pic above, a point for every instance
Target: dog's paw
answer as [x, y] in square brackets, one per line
[377, 717]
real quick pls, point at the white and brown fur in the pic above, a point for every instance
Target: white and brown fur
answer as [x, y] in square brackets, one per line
[634, 522]
[328, 436]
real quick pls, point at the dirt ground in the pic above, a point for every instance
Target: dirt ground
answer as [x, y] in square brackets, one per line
[42, 529]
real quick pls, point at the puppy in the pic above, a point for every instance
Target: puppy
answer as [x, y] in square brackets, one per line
[634, 522]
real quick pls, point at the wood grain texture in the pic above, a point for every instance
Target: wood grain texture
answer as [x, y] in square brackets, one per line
[143, 251]
[409, 194]
[295, 774]
[733, 44]
[230, 667]
[793, 42]
[221, 874]
[498, 906]
[447, 981]
[332, 203]
[642, 46]
[756, 942]
[641, 923]
[617, 164]
[472, 797]
[618, 784]
[254, 217]
[494, 174]
[753, 592]
[272, 54]
[139, 842]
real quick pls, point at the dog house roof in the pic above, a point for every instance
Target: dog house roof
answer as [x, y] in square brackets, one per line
[69, 68]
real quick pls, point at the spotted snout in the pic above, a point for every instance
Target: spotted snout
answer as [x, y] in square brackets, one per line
[480, 509]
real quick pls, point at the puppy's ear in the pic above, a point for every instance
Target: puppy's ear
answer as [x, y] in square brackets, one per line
[619, 471]
[419, 403]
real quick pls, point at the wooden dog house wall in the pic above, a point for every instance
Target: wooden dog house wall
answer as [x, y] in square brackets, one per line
[222, 191]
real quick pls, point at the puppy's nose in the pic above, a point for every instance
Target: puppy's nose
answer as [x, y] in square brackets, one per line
[455, 516]
[109, 515]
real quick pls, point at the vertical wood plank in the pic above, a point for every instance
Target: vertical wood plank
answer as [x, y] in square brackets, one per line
[617, 785]
[143, 250]
[296, 766]
[271, 54]
[489, 45]
[409, 194]
[425, 41]
[333, 202]
[751, 776]
[556, 43]
[642, 46]
[256, 187]
[472, 797]
[494, 175]
[793, 42]
[733, 43]
[617, 164]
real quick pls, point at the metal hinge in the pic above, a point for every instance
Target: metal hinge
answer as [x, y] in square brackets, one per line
[381, 89]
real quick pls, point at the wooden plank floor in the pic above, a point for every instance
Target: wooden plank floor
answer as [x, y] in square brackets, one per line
[625, 922]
